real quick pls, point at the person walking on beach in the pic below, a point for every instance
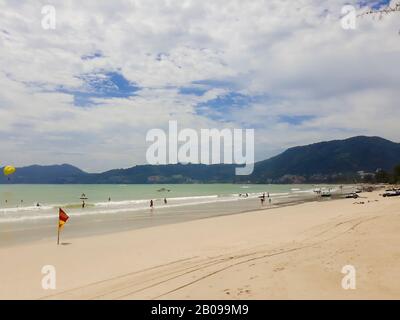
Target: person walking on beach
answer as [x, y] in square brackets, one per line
[262, 199]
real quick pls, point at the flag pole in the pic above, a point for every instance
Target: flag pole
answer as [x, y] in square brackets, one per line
[58, 236]
[58, 228]
[62, 219]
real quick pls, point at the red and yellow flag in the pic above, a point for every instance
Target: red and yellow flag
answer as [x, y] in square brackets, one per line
[62, 218]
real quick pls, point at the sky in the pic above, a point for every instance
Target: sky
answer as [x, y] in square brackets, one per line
[87, 92]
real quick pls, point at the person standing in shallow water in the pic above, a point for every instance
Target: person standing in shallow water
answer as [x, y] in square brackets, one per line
[165, 201]
[151, 204]
[262, 198]
[83, 204]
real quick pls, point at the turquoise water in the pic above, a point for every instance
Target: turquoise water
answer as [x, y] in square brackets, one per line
[128, 207]
[62, 195]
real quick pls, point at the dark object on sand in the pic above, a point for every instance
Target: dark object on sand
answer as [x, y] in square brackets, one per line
[326, 194]
[352, 196]
[392, 193]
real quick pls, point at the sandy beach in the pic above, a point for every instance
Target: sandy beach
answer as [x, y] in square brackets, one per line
[294, 252]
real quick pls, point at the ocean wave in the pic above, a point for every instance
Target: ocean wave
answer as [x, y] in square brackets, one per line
[50, 211]
[103, 211]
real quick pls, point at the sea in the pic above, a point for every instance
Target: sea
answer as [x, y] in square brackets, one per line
[30, 212]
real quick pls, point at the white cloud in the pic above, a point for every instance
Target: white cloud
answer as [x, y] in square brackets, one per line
[294, 55]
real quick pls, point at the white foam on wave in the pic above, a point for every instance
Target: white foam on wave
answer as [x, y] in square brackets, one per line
[90, 212]
[33, 213]
[5, 211]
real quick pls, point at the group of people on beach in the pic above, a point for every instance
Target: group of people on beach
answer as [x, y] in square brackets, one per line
[83, 197]
[262, 198]
[152, 203]
[245, 195]
[22, 203]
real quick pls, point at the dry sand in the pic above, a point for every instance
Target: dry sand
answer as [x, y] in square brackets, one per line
[294, 252]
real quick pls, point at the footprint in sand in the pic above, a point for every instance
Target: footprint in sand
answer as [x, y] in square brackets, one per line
[243, 291]
[279, 269]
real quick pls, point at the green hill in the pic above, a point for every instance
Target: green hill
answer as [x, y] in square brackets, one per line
[332, 161]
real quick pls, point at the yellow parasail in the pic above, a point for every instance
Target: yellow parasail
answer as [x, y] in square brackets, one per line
[8, 170]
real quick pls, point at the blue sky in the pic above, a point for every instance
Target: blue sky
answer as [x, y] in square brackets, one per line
[87, 92]
[374, 4]
[104, 85]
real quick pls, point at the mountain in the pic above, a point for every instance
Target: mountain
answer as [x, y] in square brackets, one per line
[55, 174]
[332, 161]
[173, 173]
[176, 173]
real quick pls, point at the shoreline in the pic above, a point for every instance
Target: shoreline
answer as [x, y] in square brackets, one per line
[292, 252]
[36, 234]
